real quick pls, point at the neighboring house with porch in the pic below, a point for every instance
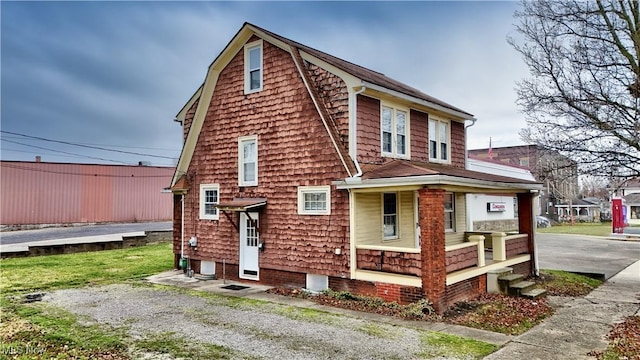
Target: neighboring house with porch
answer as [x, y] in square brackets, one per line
[630, 192]
[302, 169]
[580, 210]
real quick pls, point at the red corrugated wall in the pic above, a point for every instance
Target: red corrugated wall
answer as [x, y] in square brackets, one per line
[61, 193]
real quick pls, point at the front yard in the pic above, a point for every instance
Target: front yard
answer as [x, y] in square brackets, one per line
[95, 306]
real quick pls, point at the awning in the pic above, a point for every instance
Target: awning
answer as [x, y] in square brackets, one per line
[242, 204]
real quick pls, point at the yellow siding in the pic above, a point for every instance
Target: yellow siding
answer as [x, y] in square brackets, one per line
[368, 219]
[461, 222]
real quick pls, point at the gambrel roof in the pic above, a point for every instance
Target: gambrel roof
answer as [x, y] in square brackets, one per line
[355, 76]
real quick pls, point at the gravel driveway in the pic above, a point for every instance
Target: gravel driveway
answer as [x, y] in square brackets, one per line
[252, 329]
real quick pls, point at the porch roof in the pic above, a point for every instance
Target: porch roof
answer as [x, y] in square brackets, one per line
[241, 204]
[632, 198]
[405, 172]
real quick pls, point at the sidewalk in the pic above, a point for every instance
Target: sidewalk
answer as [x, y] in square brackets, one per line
[577, 328]
[582, 324]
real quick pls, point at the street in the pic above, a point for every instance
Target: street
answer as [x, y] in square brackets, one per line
[17, 237]
[585, 253]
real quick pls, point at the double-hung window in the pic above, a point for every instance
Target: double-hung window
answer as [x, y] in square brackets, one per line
[314, 200]
[394, 132]
[248, 161]
[209, 197]
[449, 212]
[390, 216]
[439, 139]
[253, 67]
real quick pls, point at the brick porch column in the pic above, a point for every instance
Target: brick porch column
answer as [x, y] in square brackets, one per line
[431, 218]
[526, 224]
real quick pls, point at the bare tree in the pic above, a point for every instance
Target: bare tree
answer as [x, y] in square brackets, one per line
[581, 98]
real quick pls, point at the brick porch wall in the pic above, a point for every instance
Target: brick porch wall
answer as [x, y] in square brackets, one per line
[466, 289]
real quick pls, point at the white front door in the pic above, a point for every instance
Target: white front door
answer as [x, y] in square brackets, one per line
[249, 239]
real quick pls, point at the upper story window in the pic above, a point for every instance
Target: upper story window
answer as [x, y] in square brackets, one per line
[209, 197]
[439, 140]
[253, 67]
[248, 161]
[394, 132]
[449, 212]
[314, 200]
[390, 216]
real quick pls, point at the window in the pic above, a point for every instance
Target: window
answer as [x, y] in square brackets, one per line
[248, 161]
[393, 125]
[449, 213]
[390, 215]
[524, 162]
[314, 200]
[209, 197]
[439, 140]
[253, 67]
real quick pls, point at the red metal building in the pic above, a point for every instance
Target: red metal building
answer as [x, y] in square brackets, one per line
[63, 193]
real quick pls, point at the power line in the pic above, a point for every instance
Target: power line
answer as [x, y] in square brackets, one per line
[85, 146]
[109, 145]
[63, 152]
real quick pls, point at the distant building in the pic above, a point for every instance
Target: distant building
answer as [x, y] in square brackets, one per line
[558, 173]
[37, 193]
[630, 192]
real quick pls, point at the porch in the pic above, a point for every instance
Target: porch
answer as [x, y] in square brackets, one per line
[466, 260]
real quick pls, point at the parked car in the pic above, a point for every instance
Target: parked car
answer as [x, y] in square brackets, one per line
[543, 222]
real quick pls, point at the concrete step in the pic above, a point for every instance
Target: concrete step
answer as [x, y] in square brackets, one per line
[521, 287]
[493, 276]
[534, 293]
[506, 281]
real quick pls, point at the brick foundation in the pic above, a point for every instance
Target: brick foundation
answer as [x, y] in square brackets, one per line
[466, 289]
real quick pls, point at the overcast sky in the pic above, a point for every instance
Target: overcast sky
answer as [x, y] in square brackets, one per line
[114, 74]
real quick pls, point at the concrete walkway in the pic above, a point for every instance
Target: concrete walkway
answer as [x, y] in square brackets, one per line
[24, 247]
[581, 324]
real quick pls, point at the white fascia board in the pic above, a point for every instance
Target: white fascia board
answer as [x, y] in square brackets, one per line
[183, 112]
[416, 100]
[435, 180]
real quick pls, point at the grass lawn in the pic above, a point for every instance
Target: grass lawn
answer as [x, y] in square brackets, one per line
[41, 331]
[594, 229]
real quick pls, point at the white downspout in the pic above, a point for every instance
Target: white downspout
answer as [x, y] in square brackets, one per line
[182, 228]
[467, 197]
[353, 148]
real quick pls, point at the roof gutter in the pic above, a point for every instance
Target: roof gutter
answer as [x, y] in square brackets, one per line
[435, 180]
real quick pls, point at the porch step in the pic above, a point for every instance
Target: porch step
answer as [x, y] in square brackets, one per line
[521, 287]
[534, 293]
[507, 281]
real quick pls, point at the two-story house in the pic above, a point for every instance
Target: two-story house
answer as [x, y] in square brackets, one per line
[302, 169]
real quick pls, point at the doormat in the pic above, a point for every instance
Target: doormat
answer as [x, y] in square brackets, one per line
[235, 287]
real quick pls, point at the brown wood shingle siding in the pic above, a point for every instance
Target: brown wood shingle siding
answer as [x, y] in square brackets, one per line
[335, 96]
[419, 136]
[293, 150]
[457, 144]
[368, 128]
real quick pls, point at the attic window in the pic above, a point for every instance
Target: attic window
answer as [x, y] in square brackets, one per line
[253, 67]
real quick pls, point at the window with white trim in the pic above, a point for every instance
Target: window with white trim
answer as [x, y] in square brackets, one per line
[248, 161]
[390, 216]
[449, 212]
[394, 132]
[439, 140]
[314, 200]
[253, 67]
[209, 197]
